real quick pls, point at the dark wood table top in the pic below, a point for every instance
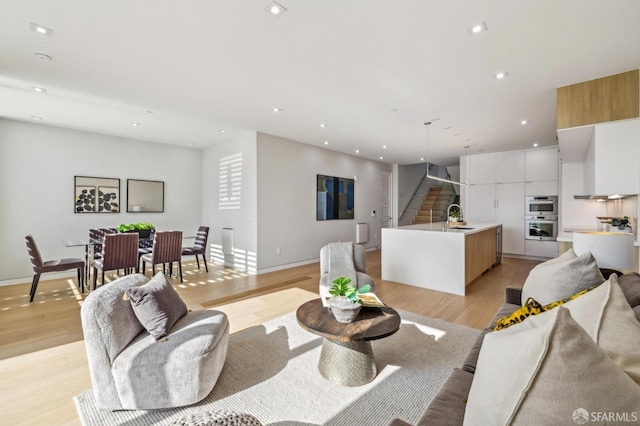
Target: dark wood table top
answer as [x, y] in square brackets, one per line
[371, 323]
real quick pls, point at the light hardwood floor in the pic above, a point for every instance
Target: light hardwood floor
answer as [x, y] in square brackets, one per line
[42, 356]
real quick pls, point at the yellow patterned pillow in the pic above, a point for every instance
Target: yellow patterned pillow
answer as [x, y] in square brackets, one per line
[531, 307]
[563, 301]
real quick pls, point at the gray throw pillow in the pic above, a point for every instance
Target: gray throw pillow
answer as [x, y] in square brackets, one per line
[562, 277]
[157, 305]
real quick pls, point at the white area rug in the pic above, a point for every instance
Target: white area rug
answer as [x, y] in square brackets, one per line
[271, 372]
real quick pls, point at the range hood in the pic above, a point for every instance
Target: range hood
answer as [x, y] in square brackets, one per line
[600, 197]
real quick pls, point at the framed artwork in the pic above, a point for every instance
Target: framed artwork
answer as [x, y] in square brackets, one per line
[96, 195]
[145, 196]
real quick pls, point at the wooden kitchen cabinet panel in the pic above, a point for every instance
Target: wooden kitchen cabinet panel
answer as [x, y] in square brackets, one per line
[480, 253]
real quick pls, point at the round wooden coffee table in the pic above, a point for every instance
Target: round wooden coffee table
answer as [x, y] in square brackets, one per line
[347, 356]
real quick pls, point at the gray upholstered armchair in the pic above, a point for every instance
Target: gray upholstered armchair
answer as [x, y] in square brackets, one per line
[132, 370]
[343, 260]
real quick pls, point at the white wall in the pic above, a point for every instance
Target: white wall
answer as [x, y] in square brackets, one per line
[37, 168]
[243, 220]
[287, 200]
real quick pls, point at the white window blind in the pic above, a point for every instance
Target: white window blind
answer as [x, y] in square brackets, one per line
[230, 188]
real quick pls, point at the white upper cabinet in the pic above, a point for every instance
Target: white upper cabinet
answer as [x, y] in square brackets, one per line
[509, 166]
[541, 164]
[615, 158]
[482, 169]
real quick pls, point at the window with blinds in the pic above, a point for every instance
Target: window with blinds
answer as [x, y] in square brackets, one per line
[230, 188]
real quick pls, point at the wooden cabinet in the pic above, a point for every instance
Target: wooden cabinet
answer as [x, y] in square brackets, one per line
[479, 253]
[541, 165]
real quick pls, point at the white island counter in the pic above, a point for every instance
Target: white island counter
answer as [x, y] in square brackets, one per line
[429, 256]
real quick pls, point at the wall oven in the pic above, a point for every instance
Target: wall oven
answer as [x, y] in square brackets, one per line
[541, 228]
[541, 205]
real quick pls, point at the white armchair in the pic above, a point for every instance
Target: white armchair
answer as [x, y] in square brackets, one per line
[343, 260]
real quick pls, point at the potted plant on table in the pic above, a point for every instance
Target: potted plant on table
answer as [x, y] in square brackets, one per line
[142, 228]
[454, 216]
[345, 303]
[621, 223]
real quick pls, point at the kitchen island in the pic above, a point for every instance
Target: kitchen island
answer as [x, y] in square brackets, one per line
[439, 258]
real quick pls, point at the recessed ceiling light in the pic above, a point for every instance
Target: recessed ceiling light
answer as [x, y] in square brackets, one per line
[323, 125]
[457, 134]
[467, 140]
[222, 131]
[435, 119]
[149, 111]
[190, 143]
[477, 28]
[43, 57]
[421, 158]
[381, 157]
[38, 89]
[134, 124]
[535, 144]
[41, 30]
[384, 147]
[394, 109]
[35, 117]
[524, 122]
[446, 128]
[357, 151]
[501, 75]
[326, 142]
[276, 109]
[275, 8]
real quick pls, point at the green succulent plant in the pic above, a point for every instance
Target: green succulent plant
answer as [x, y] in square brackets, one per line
[342, 287]
[620, 222]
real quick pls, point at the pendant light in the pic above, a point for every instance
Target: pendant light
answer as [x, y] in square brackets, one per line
[439, 179]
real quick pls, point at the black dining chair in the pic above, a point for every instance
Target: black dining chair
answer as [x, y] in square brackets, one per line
[119, 251]
[40, 267]
[167, 248]
[199, 247]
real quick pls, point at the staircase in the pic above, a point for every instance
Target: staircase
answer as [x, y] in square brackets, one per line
[435, 204]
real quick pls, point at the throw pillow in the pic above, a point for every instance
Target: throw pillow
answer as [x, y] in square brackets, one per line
[157, 305]
[561, 277]
[550, 373]
[531, 307]
[606, 316]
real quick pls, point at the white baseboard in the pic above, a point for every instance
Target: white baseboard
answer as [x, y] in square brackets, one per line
[44, 277]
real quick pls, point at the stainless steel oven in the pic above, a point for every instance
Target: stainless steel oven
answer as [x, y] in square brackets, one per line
[541, 205]
[542, 228]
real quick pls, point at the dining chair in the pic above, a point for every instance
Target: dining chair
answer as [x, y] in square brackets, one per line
[199, 247]
[145, 245]
[119, 251]
[98, 234]
[40, 267]
[167, 248]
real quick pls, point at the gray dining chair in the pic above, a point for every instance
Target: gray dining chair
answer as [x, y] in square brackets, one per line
[40, 267]
[119, 251]
[167, 248]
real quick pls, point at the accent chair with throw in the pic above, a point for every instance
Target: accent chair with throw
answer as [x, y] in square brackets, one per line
[145, 350]
[343, 260]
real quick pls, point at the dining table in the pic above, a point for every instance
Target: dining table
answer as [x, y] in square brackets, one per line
[89, 245]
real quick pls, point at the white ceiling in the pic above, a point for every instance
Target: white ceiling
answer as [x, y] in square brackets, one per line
[205, 65]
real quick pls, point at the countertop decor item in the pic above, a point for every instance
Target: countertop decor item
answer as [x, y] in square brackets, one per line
[345, 303]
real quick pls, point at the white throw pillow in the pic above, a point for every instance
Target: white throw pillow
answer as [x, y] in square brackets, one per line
[543, 375]
[561, 277]
[606, 316]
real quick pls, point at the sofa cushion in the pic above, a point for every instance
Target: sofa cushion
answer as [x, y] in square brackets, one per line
[198, 343]
[550, 372]
[157, 305]
[606, 316]
[449, 404]
[561, 277]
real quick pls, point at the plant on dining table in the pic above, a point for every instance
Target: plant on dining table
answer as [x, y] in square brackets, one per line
[141, 226]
